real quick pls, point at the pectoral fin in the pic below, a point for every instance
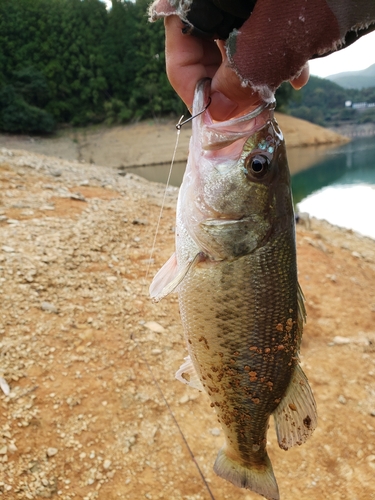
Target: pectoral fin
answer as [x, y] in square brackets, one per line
[296, 417]
[187, 375]
[169, 277]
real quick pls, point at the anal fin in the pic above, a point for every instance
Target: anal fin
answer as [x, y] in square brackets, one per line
[296, 416]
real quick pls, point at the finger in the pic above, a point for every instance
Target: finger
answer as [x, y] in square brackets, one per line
[302, 79]
[188, 59]
[229, 97]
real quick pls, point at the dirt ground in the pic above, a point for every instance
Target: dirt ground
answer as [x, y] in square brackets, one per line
[90, 360]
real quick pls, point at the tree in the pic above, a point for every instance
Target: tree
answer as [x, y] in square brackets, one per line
[80, 63]
[16, 115]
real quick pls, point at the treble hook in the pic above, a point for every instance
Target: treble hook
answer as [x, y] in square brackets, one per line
[180, 123]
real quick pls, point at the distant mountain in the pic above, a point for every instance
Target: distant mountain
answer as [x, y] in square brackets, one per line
[322, 101]
[355, 79]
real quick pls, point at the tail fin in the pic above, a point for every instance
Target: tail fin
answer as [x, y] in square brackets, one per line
[261, 480]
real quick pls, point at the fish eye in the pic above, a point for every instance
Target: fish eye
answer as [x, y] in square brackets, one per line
[258, 166]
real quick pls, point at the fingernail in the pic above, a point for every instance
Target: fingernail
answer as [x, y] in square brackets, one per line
[221, 107]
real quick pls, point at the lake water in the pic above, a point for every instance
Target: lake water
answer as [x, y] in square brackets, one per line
[338, 185]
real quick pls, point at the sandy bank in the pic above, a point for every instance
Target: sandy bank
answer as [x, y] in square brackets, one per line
[149, 143]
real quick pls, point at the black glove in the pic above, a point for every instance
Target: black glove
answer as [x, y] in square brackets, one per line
[214, 19]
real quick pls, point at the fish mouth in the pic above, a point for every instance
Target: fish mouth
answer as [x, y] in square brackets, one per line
[218, 135]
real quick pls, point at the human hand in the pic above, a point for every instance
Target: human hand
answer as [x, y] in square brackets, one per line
[188, 59]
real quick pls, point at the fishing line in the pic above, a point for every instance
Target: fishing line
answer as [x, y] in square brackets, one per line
[175, 421]
[178, 127]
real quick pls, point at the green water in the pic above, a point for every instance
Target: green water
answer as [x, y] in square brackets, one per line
[338, 186]
[341, 187]
[347, 165]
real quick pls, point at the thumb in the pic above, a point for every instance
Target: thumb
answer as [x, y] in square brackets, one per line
[228, 97]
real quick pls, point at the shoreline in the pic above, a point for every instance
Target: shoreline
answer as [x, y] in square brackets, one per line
[149, 143]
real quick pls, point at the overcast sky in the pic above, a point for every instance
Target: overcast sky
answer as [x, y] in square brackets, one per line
[358, 56]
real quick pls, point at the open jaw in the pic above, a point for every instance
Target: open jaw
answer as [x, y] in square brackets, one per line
[229, 135]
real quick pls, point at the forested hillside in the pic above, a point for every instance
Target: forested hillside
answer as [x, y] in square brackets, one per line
[323, 102]
[72, 61]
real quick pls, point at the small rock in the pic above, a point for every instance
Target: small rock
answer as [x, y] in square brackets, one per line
[7, 249]
[107, 464]
[12, 448]
[147, 261]
[341, 340]
[3, 450]
[6, 152]
[346, 471]
[154, 327]
[49, 307]
[184, 399]
[215, 431]
[372, 413]
[4, 386]
[56, 173]
[77, 196]
[30, 276]
[47, 207]
[141, 222]
[27, 212]
[332, 277]
[51, 452]
[342, 399]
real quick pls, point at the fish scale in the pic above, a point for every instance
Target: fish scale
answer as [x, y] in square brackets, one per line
[236, 275]
[232, 331]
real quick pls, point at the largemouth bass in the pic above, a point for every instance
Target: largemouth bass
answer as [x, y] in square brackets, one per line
[241, 306]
